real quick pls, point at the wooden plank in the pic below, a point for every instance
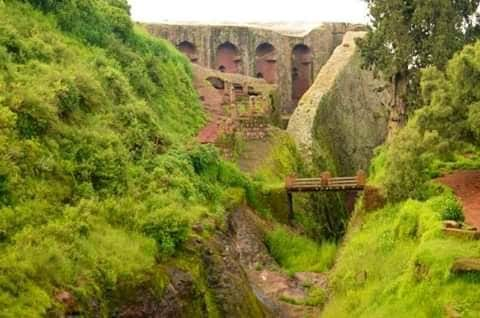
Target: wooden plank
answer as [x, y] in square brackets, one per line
[318, 189]
[461, 233]
[330, 179]
[342, 182]
[323, 184]
[465, 265]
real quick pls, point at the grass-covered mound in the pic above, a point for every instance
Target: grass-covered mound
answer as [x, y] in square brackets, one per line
[396, 261]
[99, 178]
[398, 264]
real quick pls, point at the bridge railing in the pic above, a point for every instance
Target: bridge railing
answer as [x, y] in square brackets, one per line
[326, 182]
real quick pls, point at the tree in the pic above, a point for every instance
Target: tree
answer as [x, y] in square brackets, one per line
[408, 35]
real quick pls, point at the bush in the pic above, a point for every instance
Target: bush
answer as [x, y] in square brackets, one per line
[445, 125]
[407, 221]
[474, 120]
[450, 208]
[167, 228]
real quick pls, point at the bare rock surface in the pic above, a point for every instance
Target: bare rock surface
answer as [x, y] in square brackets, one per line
[344, 115]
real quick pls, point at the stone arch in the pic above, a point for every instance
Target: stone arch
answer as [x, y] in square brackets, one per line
[189, 49]
[266, 62]
[302, 71]
[228, 58]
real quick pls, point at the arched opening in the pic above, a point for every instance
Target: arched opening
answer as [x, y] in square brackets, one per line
[189, 49]
[266, 62]
[228, 58]
[302, 62]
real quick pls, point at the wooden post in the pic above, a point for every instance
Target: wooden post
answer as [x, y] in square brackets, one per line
[289, 181]
[290, 207]
[326, 178]
[361, 178]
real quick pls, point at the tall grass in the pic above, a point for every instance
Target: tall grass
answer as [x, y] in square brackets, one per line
[296, 253]
[398, 265]
[100, 178]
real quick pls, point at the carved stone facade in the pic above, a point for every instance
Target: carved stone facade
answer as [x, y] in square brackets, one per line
[289, 60]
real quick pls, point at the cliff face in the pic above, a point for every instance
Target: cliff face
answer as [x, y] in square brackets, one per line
[202, 44]
[344, 115]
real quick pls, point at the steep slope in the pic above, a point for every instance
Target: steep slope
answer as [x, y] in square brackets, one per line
[101, 179]
[413, 257]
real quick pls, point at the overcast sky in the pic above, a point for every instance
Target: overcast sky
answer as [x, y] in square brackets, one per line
[249, 10]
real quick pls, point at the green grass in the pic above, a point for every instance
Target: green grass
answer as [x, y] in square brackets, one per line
[100, 176]
[397, 263]
[296, 253]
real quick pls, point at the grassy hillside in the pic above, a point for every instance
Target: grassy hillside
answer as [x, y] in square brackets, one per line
[396, 261]
[99, 176]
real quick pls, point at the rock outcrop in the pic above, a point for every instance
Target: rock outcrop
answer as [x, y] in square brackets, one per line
[225, 96]
[344, 115]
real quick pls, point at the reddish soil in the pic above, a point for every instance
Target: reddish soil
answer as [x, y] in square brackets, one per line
[466, 186]
[209, 134]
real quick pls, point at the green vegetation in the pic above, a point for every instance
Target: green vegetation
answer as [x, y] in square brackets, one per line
[406, 36]
[398, 261]
[398, 264]
[101, 180]
[296, 253]
[441, 136]
[99, 176]
[313, 212]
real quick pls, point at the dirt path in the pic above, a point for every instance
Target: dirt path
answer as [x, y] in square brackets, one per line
[466, 186]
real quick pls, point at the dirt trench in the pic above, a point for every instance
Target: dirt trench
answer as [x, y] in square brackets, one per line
[273, 287]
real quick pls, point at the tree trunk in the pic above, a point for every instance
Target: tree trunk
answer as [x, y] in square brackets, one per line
[398, 104]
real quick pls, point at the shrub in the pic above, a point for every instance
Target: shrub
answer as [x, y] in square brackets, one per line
[474, 120]
[167, 228]
[450, 209]
[407, 221]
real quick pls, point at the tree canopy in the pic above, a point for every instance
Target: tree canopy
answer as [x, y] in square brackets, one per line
[408, 35]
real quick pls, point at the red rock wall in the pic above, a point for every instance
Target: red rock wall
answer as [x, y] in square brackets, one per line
[189, 49]
[228, 58]
[301, 71]
[266, 63]
[208, 38]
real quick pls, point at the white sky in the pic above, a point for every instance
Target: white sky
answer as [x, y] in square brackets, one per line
[306, 11]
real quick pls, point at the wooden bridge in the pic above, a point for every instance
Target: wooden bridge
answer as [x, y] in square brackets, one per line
[325, 183]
